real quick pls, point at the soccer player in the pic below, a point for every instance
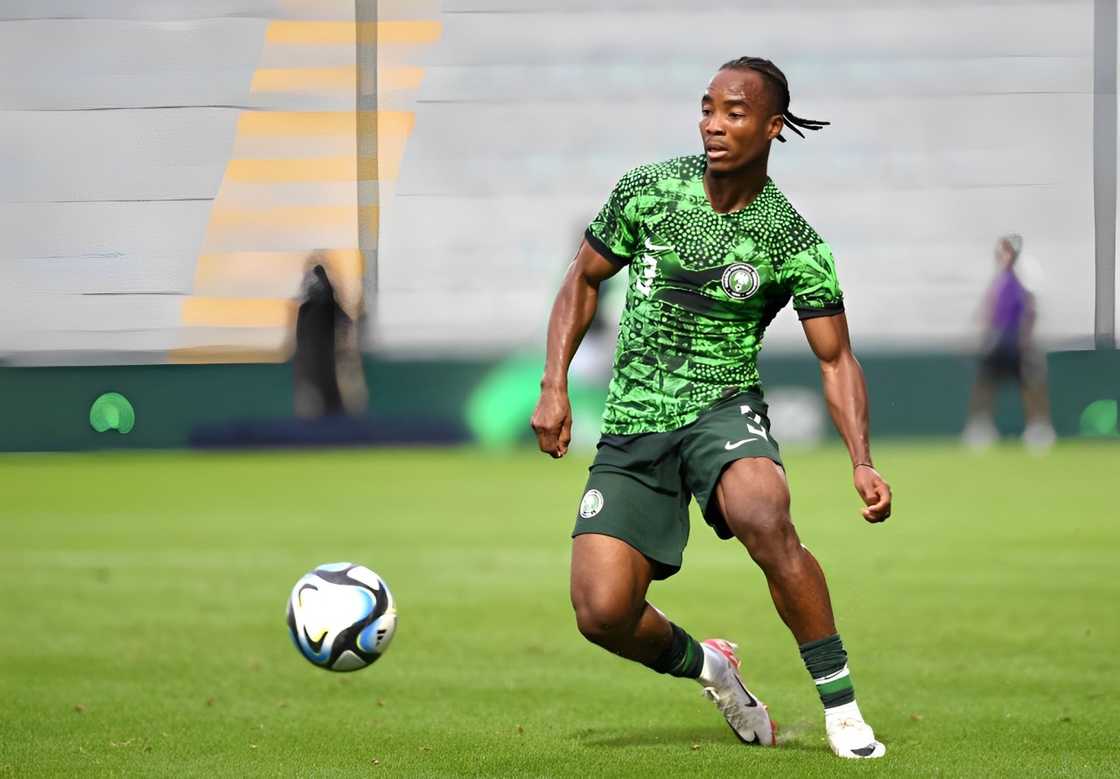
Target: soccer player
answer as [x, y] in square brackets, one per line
[714, 251]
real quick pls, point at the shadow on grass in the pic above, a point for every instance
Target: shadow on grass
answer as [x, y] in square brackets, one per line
[799, 737]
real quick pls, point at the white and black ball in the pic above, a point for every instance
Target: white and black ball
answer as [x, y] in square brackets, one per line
[341, 616]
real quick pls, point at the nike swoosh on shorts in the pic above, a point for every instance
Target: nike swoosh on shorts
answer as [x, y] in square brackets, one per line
[729, 445]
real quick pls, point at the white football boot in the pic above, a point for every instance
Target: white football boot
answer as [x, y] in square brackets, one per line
[747, 715]
[849, 736]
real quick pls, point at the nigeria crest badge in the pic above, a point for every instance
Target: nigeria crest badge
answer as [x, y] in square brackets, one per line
[740, 281]
[591, 504]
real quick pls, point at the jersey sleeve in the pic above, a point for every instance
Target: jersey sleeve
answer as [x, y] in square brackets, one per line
[613, 233]
[810, 278]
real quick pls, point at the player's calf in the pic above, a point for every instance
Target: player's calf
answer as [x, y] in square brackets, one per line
[608, 591]
[646, 637]
[636, 631]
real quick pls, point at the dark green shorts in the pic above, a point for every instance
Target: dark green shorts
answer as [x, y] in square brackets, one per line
[640, 485]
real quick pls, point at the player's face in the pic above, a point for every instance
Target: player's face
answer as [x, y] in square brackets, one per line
[737, 120]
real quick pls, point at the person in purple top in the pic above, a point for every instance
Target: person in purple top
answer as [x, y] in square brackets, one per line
[1008, 351]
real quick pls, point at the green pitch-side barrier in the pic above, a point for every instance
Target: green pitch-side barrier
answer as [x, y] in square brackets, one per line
[488, 400]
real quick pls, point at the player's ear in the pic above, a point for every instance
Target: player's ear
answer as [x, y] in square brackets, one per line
[777, 123]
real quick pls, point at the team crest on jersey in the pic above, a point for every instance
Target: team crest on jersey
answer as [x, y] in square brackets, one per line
[740, 281]
[591, 504]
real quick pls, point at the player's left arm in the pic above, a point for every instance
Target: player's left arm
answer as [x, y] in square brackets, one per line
[846, 393]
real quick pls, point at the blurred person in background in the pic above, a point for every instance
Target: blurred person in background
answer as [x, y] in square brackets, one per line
[1009, 352]
[327, 363]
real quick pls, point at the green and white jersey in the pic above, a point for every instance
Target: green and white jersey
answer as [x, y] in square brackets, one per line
[703, 286]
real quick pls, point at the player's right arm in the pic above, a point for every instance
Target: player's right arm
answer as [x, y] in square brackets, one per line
[571, 316]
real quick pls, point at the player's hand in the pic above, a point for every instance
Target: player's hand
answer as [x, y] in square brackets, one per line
[552, 422]
[875, 492]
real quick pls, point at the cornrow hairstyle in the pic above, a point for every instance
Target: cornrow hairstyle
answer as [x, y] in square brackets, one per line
[778, 80]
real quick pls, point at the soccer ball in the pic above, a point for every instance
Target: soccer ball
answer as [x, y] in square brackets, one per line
[341, 616]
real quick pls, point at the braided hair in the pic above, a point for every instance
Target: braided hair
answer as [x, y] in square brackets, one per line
[778, 82]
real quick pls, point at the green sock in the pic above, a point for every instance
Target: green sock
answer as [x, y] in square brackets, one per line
[828, 665]
[683, 657]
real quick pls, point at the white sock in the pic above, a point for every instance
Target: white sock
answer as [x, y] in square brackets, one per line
[715, 666]
[843, 711]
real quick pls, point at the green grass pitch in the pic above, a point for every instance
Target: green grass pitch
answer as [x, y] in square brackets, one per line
[143, 619]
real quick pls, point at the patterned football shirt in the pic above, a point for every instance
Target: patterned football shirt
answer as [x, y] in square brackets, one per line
[703, 286]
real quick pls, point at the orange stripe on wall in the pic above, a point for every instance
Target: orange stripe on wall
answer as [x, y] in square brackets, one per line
[287, 123]
[343, 78]
[308, 169]
[290, 217]
[266, 123]
[319, 33]
[303, 79]
[399, 78]
[205, 355]
[238, 312]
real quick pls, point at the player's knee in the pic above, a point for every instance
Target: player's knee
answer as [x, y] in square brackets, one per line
[765, 528]
[775, 545]
[602, 617]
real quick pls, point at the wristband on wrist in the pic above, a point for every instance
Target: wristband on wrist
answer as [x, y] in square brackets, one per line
[865, 465]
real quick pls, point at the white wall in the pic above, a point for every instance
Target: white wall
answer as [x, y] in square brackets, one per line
[122, 236]
[953, 122]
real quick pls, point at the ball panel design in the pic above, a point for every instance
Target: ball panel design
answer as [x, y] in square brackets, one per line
[360, 573]
[341, 616]
[334, 566]
[348, 661]
[375, 637]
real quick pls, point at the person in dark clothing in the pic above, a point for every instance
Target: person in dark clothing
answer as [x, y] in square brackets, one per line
[323, 335]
